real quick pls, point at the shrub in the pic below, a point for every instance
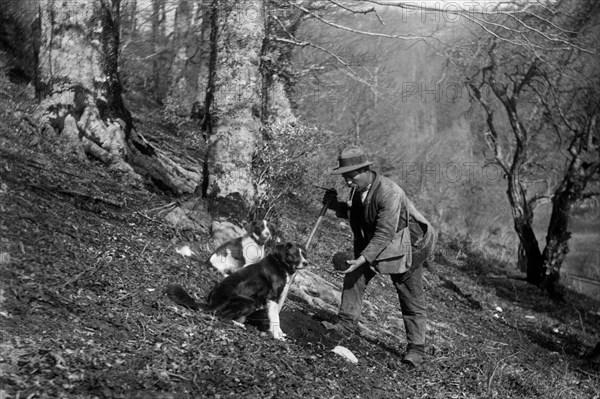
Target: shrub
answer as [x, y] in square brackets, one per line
[285, 164]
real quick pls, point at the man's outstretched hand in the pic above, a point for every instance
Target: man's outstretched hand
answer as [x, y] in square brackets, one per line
[355, 264]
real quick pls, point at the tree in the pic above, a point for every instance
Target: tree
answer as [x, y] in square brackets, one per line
[80, 91]
[189, 61]
[179, 51]
[233, 105]
[532, 76]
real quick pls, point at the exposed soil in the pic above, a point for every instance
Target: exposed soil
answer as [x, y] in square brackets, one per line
[84, 258]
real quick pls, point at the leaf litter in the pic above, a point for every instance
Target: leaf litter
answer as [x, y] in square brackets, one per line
[83, 264]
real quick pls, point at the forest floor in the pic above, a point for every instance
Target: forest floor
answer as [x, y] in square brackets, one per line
[85, 256]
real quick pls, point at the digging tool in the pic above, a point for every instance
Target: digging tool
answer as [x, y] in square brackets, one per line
[307, 243]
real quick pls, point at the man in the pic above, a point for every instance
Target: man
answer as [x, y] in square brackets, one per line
[377, 211]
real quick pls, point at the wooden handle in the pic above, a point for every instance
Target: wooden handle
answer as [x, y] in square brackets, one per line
[286, 289]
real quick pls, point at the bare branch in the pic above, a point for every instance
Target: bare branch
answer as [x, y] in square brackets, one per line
[592, 194]
[480, 17]
[351, 72]
[492, 137]
[354, 11]
[531, 72]
[361, 32]
[539, 199]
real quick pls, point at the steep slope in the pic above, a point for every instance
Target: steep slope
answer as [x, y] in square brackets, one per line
[84, 258]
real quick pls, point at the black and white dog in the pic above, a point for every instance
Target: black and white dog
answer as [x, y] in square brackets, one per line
[242, 251]
[255, 287]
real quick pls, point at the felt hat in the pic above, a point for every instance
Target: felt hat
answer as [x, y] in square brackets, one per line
[351, 158]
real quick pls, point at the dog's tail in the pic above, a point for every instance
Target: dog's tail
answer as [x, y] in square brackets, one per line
[180, 296]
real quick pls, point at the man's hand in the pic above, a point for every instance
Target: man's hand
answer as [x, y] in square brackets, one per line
[355, 264]
[330, 199]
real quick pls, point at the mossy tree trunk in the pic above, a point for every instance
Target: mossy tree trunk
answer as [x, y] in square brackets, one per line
[80, 91]
[233, 103]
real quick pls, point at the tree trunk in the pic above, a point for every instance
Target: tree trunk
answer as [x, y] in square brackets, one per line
[179, 85]
[521, 209]
[128, 20]
[557, 243]
[161, 56]
[19, 31]
[557, 240]
[233, 102]
[81, 94]
[523, 219]
[189, 64]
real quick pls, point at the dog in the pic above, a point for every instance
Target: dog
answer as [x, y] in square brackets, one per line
[234, 254]
[251, 288]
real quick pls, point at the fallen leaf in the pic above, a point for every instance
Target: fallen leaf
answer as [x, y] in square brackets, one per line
[345, 353]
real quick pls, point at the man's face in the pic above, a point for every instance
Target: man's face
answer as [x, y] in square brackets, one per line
[357, 179]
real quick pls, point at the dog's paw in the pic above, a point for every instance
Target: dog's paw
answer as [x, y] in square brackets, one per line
[276, 331]
[279, 336]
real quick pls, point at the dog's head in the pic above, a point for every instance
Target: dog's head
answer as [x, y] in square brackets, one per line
[260, 230]
[293, 256]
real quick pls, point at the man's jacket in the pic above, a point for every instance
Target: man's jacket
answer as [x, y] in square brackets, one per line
[375, 223]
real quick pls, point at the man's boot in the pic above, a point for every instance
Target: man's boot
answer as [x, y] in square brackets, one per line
[415, 355]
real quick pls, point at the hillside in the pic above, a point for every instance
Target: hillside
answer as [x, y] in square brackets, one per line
[84, 258]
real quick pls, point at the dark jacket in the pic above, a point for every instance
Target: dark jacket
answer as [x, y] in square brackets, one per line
[375, 223]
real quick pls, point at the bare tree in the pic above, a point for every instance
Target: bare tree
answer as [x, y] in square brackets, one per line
[530, 72]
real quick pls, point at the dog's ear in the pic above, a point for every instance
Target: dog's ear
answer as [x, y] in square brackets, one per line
[276, 236]
[254, 226]
[279, 251]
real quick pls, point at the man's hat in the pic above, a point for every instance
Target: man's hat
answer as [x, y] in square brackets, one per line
[351, 158]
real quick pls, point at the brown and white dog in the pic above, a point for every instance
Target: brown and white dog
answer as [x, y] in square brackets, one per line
[242, 251]
[255, 287]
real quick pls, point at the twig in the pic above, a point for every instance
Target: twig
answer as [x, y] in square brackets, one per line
[427, 281]
[148, 217]
[587, 373]
[163, 252]
[163, 207]
[580, 319]
[77, 277]
[92, 197]
[178, 376]
[144, 249]
[496, 368]
[196, 384]
[364, 12]
[55, 190]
